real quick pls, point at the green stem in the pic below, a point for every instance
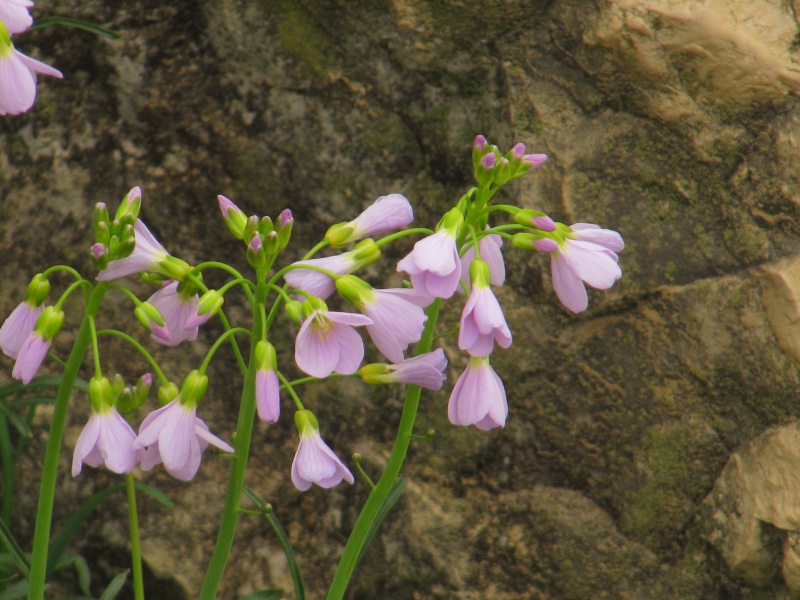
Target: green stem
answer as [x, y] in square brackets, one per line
[136, 552]
[241, 444]
[44, 513]
[359, 535]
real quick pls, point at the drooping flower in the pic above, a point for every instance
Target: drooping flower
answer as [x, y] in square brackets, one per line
[425, 370]
[18, 74]
[387, 213]
[397, 315]
[268, 401]
[482, 320]
[35, 348]
[314, 461]
[107, 437]
[15, 16]
[327, 342]
[176, 307]
[321, 285]
[434, 266]
[489, 246]
[175, 435]
[587, 255]
[478, 397]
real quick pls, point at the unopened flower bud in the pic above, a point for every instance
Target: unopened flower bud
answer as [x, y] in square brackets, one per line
[167, 393]
[271, 243]
[256, 255]
[294, 310]
[234, 218]
[533, 161]
[250, 228]
[265, 226]
[535, 218]
[152, 320]
[478, 150]
[285, 221]
[99, 256]
[130, 206]
[100, 223]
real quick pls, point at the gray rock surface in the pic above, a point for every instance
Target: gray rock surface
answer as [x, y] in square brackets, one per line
[674, 122]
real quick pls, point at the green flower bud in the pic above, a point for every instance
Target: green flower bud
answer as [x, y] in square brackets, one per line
[101, 223]
[265, 226]
[147, 314]
[130, 206]
[250, 228]
[294, 310]
[167, 393]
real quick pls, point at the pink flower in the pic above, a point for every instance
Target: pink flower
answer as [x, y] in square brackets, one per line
[588, 256]
[397, 320]
[176, 308]
[18, 327]
[387, 213]
[174, 435]
[30, 357]
[15, 16]
[17, 71]
[327, 342]
[482, 323]
[425, 370]
[268, 401]
[146, 256]
[321, 285]
[489, 245]
[434, 266]
[106, 438]
[314, 461]
[479, 397]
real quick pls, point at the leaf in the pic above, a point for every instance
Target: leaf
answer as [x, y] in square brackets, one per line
[81, 569]
[18, 590]
[283, 539]
[115, 586]
[394, 495]
[155, 493]
[75, 520]
[68, 22]
[22, 562]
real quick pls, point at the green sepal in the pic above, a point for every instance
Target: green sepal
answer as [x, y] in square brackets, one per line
[193, 388]
[101, 223]
[37, 291]
[354, 289]
[294, 309]
[101, 394]
[210, 303]
[167, 393]
[339, 234]
[306, 423]
[147, 314]
[129, 208]
[266, 357]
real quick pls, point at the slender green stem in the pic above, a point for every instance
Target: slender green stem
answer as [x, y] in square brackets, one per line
[400, 234]
[244, 430]
[220, 340]
[44, 513]
[136, 552]
[288, 387]
[145, 354]
[378, 496]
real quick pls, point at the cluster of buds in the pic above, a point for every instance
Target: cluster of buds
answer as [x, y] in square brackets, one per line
[492, 167]
[17, 71]
[263, 237]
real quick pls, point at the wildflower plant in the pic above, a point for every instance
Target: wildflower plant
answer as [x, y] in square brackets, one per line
[462, 252]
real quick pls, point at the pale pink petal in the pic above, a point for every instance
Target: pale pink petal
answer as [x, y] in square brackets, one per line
[594, 264]
[202, 432]
[351, 349]
[19, 85]
[116, 443]
[387, 213]
[30, 358]
[268, 396]
[146, 255]
[589, 232]
[316, 283]
[18, 327]
[315, 352]
[85, 444]
[568, 286]
[175, 439]
[425, 370]
[15, 16]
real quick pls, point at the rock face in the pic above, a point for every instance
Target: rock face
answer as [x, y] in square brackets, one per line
[672, 121]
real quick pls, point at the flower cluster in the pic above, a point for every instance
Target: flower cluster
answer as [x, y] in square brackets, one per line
[463, 254]
[17, 71]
